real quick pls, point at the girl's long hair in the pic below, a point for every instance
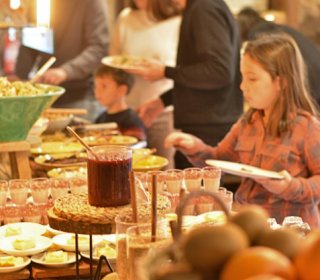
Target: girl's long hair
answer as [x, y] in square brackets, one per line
[280, 56]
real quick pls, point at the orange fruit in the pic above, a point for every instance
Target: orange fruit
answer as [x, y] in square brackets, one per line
[254, 261]
[307, 260]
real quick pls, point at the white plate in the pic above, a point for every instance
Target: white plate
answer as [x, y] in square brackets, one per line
[54, 231]
[243, 169]
[40, 259]
[126, 62]
[42, 244]
[62, 241]
[7, 269]
[26, 229]
[108, 237]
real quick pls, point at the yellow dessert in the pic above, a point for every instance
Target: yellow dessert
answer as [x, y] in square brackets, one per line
[81, 239]
[12, 230]
[6, 261]
[56, 257]
[106, 249]
[24, 243]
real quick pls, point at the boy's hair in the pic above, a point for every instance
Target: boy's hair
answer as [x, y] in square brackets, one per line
[119, 76]
[280, 56]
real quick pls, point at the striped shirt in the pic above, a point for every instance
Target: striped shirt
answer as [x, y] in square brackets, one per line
[298, 152]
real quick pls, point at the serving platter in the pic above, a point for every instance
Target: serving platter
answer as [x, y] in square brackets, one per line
[23, 228]
[57, 147]
[48, 161]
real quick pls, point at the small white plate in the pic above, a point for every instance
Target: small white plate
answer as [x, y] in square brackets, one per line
[40, 259]
[42, 244]
[62, 241]
[26, 228]
[7, 269]
[54, 231]
[108, 237]
[244, 170]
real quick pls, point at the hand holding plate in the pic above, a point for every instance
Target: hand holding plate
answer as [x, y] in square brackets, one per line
[276, 186]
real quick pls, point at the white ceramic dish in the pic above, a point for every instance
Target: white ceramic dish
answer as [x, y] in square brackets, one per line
[62, 241]
[7, 269]
[40, 259]
[42, 244]
[111, 257]
[54, 231]
[24, 228]
[244, 170]
[125, 62]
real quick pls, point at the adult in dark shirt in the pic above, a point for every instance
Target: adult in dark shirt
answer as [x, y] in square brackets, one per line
[252, 24]
[206, 93]
[111, 88]
[81, 39]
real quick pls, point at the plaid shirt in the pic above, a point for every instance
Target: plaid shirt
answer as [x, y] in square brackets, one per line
[298, 152]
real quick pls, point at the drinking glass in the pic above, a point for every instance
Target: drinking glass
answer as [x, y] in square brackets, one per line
[4, 186]
[12, 214]
[40, 189]
[19, 189]
[192, 178]
[58, 187]
[141, 242]
[173, 179]
[78, 185]
[211, 178]
[160, 180]
[108, 175]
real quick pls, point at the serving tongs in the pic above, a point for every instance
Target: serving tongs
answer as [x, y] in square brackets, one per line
[43, 69]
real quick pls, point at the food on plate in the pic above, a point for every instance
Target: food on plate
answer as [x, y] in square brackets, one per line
[12, 230]
[81, 239]
[18, 88]
[56, 257]
[127, 61]
[6, 261]
[106, 248]
[24, 243]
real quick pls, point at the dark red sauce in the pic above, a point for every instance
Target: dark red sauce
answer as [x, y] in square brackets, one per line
[108, 182]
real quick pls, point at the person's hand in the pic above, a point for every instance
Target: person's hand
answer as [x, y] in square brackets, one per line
[54, 76]
[186, 143]
[150, 110]
[276, 186]
[150, 71]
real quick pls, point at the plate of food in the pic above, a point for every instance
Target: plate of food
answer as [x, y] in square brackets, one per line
[24, 245]
[48, 161]
[106, 247]
[24, 228]
[68, 172]
[96, 140]
[57, 147]
[67, 241]
[150, 162]
[9, 263]
[56, 258]
[125, 62]
[244, 170]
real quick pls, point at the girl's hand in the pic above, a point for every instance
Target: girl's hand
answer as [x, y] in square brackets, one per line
[276, 186]
[186, 143]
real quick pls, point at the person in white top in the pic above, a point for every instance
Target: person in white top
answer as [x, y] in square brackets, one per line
[138, 32]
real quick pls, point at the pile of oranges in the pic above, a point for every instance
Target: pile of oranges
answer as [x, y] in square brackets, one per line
[245, 248]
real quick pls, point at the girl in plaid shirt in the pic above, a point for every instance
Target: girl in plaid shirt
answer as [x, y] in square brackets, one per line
[279, 132]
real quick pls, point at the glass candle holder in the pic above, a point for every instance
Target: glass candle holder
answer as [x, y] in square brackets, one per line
[173, 179]
[78, 185]
[58, 187]
[4, 186]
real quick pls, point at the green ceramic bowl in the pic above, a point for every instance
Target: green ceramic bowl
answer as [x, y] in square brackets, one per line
[19, 113]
